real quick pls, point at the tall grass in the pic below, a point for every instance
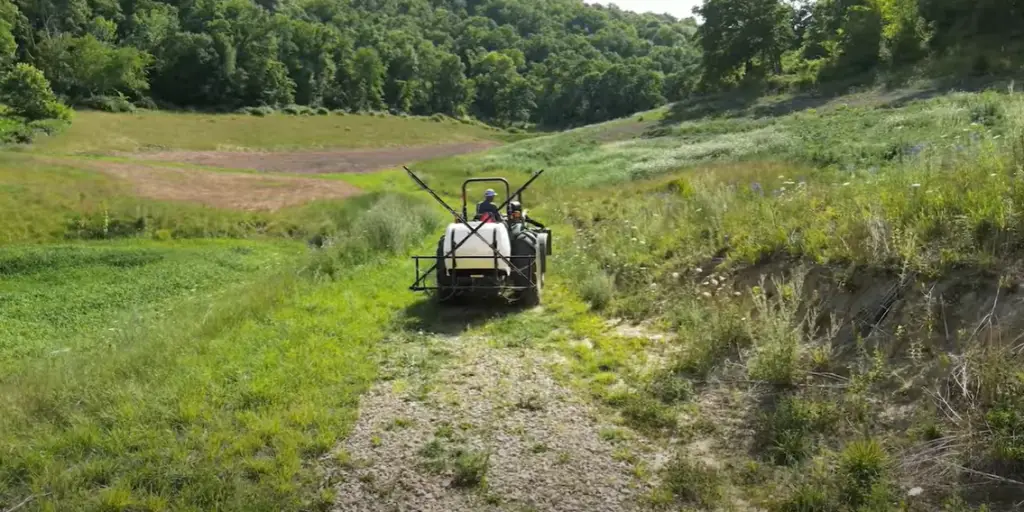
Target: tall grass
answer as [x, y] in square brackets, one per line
[673, 230]
[393, 224]
[227, 403]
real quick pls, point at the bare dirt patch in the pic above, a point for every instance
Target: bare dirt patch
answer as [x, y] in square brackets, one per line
[222, 189]
[490, 430]
[316, 162]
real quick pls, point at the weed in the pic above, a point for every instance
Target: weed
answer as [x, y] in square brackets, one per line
[470, 468]
[400, 423]
[614, 434]
[693, 482]
[863, 466]
[670, 387]
[445, 431]
[598, 290]
[648, 414]
[530, 403]
[788, 433]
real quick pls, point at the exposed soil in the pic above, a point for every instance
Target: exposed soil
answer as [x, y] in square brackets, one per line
[222, 189]
[314, 162]
[542, 444]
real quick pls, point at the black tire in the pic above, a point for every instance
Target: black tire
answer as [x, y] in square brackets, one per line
[525, 244]
[542, 241]
[445, 291]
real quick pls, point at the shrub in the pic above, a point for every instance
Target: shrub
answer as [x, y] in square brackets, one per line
[260, 111]
[787, 433]
[470, 468]
[693, 482]
[374, 231]
[862, 470]
[25, 90]
[598, 289]
[114, 104]
[322, 111]
[147, 103]
[715, 333]
[670, 387]
[645, 413]
[296, 110]
[778, 334]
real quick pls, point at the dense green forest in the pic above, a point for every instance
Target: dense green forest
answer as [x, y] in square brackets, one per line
[552, 62]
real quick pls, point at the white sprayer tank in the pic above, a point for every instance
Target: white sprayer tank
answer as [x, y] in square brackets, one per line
[493, 234]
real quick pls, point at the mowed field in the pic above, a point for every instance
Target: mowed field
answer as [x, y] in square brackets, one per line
[787, 304]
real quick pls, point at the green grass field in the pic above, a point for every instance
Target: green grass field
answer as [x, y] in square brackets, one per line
[61, 298]
[870, 224]
[878, 355]
[104, 133]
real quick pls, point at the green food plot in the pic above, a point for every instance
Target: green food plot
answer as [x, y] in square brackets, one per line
[62, 297]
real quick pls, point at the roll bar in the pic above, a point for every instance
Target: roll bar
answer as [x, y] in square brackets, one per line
[465, 213]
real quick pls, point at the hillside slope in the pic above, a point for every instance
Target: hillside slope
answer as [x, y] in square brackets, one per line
[839, 284]
[799, 308]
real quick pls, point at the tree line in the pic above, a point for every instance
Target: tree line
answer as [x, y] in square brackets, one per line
[553, 62]
[557, 62]
[804, 42]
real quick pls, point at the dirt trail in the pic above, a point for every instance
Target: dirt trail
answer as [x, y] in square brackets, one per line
[542, 444]
[315, 162]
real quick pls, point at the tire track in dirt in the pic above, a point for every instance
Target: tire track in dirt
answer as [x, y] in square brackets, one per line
[488, 412]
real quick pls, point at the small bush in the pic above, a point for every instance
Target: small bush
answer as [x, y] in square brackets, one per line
[598, 289]
[862, 470]
[777, 332]
[261, 111]
[693, 482]
[297, 110]
[115, 104]
[27, 93]
[322, 111]
[374, 232]
[670, 387]
[470, 468]
[715, 333]
[787, 434]
[806, 498]
[47, 126]
[647, 414]
[147, 103]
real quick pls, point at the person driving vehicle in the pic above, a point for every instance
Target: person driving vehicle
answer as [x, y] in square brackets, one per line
[486, 210]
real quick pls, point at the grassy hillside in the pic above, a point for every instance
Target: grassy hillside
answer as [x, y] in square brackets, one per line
[210, 374]
[165, 355]
[838, 285]
[827, 300]
[103, 133]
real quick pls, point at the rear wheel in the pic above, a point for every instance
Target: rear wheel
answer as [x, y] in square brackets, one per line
[445, 289]
[530, 276]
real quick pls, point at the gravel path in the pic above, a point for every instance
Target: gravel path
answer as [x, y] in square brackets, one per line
[422, 441]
